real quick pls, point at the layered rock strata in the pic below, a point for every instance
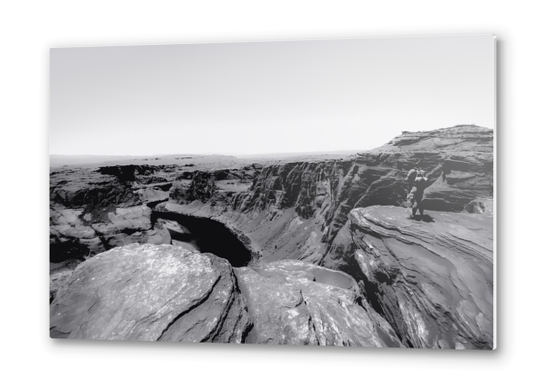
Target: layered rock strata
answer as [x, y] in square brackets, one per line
[423, 284]
[298, 208]
[432, 278]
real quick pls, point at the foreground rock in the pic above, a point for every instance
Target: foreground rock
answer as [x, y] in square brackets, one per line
[293, 302]
[151, 293]
[431, 279]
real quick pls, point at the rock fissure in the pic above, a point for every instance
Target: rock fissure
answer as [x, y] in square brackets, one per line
[193, 305]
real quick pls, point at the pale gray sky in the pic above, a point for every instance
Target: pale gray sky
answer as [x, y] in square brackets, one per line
[267, 97]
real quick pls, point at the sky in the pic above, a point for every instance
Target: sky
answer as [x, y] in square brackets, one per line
[266, 97]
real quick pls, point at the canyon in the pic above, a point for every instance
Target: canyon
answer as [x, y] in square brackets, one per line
[308, 250]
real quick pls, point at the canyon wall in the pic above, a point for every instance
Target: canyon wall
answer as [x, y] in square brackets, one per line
[425, 283]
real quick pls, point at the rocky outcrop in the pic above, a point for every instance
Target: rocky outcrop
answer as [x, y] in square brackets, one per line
[166, 293]
[465, 167]
[432, 278]
[458, 161]
[202, 188]
[95, 209]
[73, 237]
[461, 138]
[424, 284]
[127, 220]
[91, 191]
[298, 303]
[151, 293]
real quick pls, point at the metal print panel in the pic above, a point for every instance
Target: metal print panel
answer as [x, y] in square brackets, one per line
[332, 193]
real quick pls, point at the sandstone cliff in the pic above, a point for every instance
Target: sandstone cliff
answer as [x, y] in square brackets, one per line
[432, 279]
[295, 210]
[368, 275]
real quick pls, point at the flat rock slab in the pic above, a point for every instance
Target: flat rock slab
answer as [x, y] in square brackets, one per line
[432, 278]
[151, 293]
[294, 302]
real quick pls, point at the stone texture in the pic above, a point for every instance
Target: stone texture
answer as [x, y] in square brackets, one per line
[481, 206]
[151, 293]
[431, 279]
[293, 302]
[57, 278]
[73, 237]
[94, 209]
[126, 220]
[428, 282]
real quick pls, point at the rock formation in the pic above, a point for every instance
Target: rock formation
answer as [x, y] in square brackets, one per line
[432, 279]
[293, 302]
[166, 293]
[306, 228]
[295, 210]
[151, 293]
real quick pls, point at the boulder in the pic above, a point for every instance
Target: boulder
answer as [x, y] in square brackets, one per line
[294, 302]
[150, 293]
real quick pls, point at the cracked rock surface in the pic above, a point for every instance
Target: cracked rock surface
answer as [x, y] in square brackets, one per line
[432, 279]
[298, 303]
[151, 293]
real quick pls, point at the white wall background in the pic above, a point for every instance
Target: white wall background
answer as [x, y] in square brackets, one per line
[29, 29]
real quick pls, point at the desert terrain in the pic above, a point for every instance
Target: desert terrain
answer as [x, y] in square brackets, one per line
[302, 249]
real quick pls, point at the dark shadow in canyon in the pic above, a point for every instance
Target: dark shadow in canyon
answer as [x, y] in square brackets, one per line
[208, 236]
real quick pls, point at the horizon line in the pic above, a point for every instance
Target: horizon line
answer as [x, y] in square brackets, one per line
[215, 154]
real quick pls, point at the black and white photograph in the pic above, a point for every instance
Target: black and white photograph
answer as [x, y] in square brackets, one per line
[335, 192]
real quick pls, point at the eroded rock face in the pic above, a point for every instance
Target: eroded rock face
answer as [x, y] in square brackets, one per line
[293, 302]
[464, 171]
[73, 237]
[321, 194]
[432, 279]
[297, 207]
[95, 209]
[458, 161]
[424, 284]
[151, 293]
[201, 187]
[461, 138]
[91, 191]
